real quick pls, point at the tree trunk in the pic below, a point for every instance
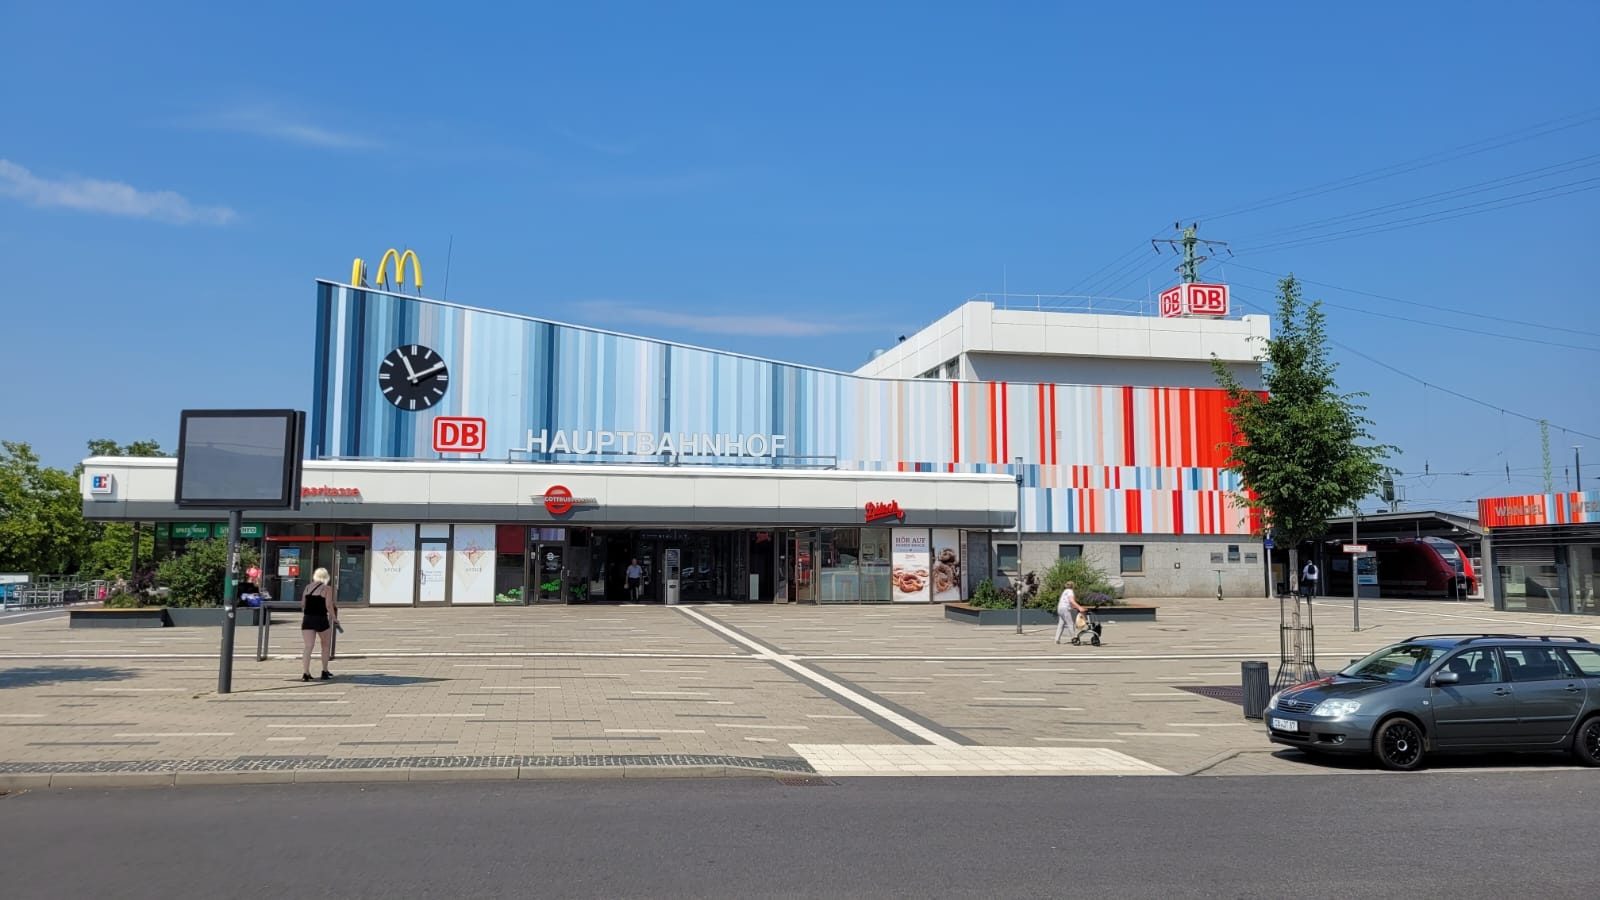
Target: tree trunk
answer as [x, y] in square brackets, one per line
[1294, 569]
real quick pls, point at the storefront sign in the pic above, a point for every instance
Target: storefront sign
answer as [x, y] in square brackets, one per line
[890, 510]
[1539, 509]
[460, 434]
[102, 485]
[650, 443]
[325, 491]
[558, 500]
[288, 562]
[192, 531]
[248, 531]
[909, 575]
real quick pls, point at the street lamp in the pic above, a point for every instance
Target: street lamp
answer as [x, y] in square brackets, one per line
[1017, 468]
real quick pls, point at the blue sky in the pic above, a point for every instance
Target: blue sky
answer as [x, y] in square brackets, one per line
[804, 182]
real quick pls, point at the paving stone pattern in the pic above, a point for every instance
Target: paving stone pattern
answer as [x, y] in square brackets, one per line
[779, 688]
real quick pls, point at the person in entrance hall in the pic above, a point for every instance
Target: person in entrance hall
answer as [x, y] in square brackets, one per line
[319, 614]
[635, 579]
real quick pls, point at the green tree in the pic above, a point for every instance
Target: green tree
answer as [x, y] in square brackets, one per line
[1302, 449]
[108, 546]
[41, 514]
[196, 578]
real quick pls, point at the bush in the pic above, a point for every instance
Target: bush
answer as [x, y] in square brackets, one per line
[196, 578]
[987, 596]
[124, 601]
[1094, 587]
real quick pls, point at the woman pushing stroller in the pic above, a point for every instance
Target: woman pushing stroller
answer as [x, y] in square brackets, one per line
[1068, 610]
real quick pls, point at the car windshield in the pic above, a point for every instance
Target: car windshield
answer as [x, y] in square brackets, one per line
[1402, 662]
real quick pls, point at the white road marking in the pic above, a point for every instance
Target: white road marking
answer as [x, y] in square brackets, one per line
[763, 727]
[434, 716]
[173, 734]
[1155, 734]
[672, 693]
[838, 689]
[1211, 725]
[299, 725]
[655, 731]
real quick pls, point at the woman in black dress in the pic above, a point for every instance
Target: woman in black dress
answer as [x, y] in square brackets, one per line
[319, 614]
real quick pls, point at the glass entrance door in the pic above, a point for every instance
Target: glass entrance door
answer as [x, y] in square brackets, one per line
[803, 567]
[548, 562]
[350, 573]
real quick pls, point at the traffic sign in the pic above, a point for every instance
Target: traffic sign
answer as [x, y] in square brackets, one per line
[1355, 548]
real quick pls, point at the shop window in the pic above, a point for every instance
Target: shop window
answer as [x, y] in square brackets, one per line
[1069, 551]
[1005, 557]
[1132, 557]
[352, 531]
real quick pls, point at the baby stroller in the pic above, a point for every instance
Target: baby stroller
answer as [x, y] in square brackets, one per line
[1088, 629]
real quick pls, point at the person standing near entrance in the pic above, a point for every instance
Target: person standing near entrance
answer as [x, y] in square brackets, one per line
[635, 580]
[319, 614]
[1308, 580]
[1067, 610]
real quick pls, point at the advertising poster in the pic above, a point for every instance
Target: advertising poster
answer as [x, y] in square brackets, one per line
[472, 575]
[393, 565]
[909, 577]
[945, 573]
[431, 571]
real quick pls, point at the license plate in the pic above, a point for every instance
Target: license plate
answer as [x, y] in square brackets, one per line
[1285, 725]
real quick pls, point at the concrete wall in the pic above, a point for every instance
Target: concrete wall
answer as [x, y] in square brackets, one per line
[1174, 566]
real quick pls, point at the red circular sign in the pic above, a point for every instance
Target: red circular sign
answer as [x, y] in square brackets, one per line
[558, 500]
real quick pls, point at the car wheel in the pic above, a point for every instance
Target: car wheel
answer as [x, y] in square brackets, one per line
[1398, 745]
[1586, 743]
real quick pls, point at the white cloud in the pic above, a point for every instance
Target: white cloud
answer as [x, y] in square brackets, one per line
[270, 122]
[624, 317]
[109, 197]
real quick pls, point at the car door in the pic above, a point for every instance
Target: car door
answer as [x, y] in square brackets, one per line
[1550, 692]
[1478, 710]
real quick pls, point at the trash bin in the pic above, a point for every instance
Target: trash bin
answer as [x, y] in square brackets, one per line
[1257, 688]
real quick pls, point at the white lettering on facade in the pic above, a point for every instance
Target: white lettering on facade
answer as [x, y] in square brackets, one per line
[649, 443]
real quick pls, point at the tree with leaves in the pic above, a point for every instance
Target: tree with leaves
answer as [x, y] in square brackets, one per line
[108, 550]
[42, 530]
[1303, 450]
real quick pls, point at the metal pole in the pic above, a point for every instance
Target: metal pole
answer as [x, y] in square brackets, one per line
[229, 582]
[1355, 575]
[1018, 468]
[1577, 467]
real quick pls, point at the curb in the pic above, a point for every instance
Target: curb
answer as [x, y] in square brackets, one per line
[101, 780]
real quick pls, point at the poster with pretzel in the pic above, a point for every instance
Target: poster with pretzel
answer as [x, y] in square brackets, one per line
[910, 575]
[945, 573]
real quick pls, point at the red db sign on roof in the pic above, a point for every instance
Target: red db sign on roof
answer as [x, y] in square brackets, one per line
[460, 434]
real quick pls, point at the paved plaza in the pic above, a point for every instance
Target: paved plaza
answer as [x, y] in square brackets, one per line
[620, 691]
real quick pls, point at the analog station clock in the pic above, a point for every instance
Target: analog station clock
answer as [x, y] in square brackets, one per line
[413, 377]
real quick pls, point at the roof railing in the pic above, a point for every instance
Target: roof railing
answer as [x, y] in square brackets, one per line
[1469, 637]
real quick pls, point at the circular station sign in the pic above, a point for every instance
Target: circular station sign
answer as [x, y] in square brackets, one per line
[557, 500]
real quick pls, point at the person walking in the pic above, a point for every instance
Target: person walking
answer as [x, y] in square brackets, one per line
[319, 615]
[635, 579]
[1308, 580]
[1067, 610]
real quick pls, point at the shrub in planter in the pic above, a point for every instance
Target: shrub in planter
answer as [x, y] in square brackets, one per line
[987, 596]
[196, 578]
[1094, 586]
[124, 601]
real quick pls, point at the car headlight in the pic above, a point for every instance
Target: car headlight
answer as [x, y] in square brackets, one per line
[1336, 708]
[1272, 702]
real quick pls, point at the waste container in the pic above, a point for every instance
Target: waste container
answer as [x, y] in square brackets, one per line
[1257, 688]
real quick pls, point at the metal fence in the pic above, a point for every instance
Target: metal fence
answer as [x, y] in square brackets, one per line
[50, 591]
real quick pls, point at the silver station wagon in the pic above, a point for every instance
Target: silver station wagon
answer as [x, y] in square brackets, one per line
[1450, 693]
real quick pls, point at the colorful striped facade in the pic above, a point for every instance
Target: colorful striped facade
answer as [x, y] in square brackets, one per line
[1096, 459]
[1569, 508]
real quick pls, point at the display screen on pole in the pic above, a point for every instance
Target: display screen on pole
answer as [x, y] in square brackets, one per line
[240, 458]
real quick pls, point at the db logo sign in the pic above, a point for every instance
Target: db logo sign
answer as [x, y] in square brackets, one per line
[1172, 302]
[460, 434]
[1208, 299]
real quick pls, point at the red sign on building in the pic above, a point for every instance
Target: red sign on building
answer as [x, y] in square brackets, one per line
[1194, 300]
[890, 510]
[460, 434]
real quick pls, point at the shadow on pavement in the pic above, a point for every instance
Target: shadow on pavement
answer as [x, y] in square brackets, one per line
[35, 676]
[1438, 762]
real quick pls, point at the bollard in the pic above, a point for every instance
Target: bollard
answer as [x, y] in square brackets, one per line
[1257, 688]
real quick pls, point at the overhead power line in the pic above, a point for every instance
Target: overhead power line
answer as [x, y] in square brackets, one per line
[1428, 384]
[1434, 306]
[1443, 325]
[1472, 148]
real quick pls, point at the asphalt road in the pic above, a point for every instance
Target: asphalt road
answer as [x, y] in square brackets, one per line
[1456, 834]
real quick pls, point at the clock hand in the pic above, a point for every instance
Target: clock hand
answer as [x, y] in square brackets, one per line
[426, 372]
[410, 372]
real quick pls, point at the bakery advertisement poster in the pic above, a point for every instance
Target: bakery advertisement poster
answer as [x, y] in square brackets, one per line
[909, 556]
[945, 573]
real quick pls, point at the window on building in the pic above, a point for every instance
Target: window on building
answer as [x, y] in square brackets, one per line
[1132, 556]
[1006, 557]
[1233, 553]
[952, 369]
[1069, 551]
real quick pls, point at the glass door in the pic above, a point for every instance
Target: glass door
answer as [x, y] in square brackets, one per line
[803, 567]
[350, 574]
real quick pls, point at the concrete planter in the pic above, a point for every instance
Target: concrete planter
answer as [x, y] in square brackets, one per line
[147, 617]
[972, 615]
[207, 616]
